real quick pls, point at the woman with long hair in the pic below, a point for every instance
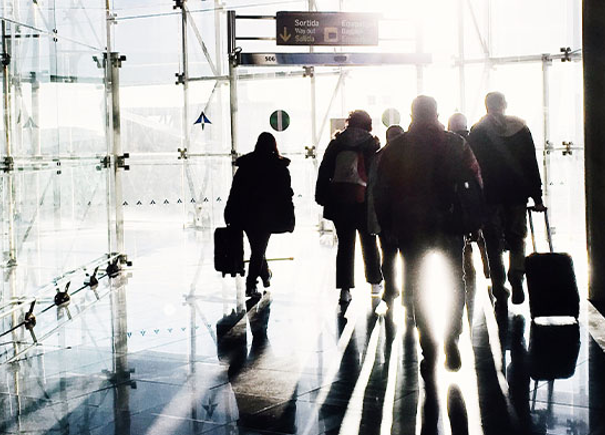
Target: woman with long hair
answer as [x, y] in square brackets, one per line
[260, 202]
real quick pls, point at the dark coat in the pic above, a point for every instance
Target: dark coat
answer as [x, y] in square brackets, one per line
[415, 178]
[506, 153]
[261, 194]
[329, 194]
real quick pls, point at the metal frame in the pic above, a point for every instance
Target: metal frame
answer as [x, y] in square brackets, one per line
[546, 59]
[236, 58]
[183, 78]
[307, 61]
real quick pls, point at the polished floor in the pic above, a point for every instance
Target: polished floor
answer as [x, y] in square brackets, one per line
[171, 347]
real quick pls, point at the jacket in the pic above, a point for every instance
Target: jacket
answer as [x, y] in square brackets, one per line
[261, 194]
[328, 192]
[506, 153]
[414, 186]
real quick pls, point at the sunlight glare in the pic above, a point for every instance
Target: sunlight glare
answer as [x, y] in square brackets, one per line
[435, 288]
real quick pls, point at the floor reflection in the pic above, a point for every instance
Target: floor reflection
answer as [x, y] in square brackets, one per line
[147, 360]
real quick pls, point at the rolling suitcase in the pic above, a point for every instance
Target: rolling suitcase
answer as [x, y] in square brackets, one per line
[229, 251]
[551, 281]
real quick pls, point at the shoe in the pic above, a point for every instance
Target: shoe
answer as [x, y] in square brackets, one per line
[267, 279]
[377, 289]
[452, 357]
[253, 293]
[345, 296]
[518, 294]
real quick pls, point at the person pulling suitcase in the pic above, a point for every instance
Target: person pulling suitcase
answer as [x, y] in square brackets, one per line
[260, 203]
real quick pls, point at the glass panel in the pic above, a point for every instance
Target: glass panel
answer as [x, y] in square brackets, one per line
[158, 59]
[540, 26]
[54, 201]
[61, 221]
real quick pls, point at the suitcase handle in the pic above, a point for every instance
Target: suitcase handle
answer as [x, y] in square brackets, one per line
[531, 227]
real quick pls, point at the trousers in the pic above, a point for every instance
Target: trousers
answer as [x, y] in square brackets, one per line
[506, 227]
[259, 240]
[350, 220]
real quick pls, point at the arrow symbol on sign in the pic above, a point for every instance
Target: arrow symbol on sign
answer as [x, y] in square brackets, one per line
[285, 36]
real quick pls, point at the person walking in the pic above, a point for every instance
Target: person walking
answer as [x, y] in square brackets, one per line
[457, 123]
[260, 202]
[341, 189]
[388, 241]
[506, 153]
[413, 195]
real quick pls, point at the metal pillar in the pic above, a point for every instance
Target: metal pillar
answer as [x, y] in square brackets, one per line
[185, 75]
[546, 64]
[314, 137]
[8, 157]
[37, 144]
[6, 93]
[593, 53]
[233, 53]
[114, 161]
[10, 196]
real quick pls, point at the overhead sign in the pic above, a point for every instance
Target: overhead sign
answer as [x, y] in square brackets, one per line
[334, 59]
[326, 28]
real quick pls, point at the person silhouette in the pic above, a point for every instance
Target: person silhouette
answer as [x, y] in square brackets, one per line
[260, 202]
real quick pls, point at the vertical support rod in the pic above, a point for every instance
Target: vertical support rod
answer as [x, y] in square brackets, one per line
[37, 144]
[219, 53]
[314, 137]
[461, 59]
[115, 62]
[110, 185]
[6, 94]
[10, 186]
[233, 101]
[593, 56]
[546, 63]
[185, 79]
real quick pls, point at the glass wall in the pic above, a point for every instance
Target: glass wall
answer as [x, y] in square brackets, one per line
[54, 194]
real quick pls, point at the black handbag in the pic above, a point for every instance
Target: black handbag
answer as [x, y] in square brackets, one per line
[284, 218]
[467, 212]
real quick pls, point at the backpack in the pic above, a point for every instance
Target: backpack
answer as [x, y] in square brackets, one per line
[350, 178]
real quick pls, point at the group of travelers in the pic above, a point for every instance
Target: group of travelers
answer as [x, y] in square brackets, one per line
[404, 194]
